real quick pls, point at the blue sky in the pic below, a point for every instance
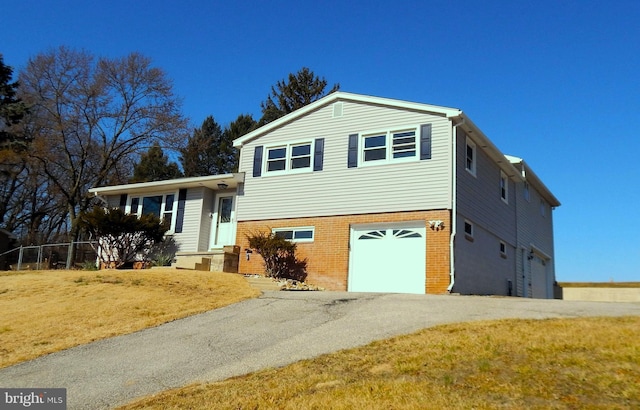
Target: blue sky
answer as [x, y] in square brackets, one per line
[554, 82]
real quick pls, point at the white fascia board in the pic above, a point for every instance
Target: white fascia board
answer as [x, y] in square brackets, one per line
[489, 147]
[530, 177]
[209, 181]
[344, 96]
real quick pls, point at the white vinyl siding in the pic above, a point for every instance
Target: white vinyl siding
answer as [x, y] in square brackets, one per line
[339, 190]
[188, 239]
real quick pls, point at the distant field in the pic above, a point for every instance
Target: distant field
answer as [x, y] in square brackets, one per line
[599, 284]
[47, 311]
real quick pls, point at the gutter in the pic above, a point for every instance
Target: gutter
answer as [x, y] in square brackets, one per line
[454, 206]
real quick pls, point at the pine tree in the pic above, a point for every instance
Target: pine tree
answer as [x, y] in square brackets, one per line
[155, 166]
[12, 109]
[303, 88]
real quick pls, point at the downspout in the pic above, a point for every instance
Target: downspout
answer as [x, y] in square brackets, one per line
[454, 210]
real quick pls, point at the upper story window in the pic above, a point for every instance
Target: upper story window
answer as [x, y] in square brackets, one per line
[294, 157]
[161, 206]
[386, 146]
[527, 193]
[543, 208]
[504, 187]
[470, 157]
[301, 234]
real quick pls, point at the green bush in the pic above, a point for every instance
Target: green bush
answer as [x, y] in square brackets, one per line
[279, 256]
[122, 238]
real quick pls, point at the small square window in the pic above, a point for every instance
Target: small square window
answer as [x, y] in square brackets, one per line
[468, 230]
[504, 187]
[470, 157]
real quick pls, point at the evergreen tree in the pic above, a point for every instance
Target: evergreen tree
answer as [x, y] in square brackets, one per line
[155, 166]
[207, 152]
[241, 126]
[12, 109]
[303, 88]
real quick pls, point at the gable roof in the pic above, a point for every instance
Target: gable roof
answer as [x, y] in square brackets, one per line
[530, 177]
[343, 96]
[459, 118]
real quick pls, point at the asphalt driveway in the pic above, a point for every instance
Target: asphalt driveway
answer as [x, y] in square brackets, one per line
[274, 330]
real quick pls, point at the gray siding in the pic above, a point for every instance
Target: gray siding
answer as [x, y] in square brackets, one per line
[338, 190]
[534, 229]
[478, 265]
[113, 201]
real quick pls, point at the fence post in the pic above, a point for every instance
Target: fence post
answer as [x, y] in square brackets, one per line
[39, 259]
[20, 258]
[69, 255]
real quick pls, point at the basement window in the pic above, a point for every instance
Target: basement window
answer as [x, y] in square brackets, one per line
[301, 234]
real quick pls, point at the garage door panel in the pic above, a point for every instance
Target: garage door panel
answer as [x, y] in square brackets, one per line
[388, 259]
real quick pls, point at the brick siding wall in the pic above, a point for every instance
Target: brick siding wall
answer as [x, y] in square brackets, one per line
[328, 254]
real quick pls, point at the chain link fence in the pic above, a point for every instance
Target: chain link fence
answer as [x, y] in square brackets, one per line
[50, 256]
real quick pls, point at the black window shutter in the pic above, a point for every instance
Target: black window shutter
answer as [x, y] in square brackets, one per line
[425, 141]
[257, 161]
[318, 155]
[123, 202]
[182, 198]
[352, 160]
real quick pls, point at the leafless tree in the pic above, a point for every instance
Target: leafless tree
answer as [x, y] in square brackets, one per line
[89, 116]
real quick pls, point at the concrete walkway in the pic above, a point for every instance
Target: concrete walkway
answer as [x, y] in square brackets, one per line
[274, 330]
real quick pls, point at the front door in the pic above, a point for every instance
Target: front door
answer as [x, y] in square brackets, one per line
[224, 231]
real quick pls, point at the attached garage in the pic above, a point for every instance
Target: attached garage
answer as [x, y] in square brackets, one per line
[388, 258]
[539, 282]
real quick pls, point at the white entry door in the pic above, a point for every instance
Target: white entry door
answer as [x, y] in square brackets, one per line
[224, 221]
[388, 258]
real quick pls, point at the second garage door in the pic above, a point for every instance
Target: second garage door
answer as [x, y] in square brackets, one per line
[388, 258]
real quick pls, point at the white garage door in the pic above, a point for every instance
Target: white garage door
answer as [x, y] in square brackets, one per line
[539, 278]
[388, 258]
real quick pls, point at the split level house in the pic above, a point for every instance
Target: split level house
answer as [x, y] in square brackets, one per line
[380, 195]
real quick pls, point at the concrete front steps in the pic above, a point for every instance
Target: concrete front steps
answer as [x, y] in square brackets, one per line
[216, 260]
[262, 283]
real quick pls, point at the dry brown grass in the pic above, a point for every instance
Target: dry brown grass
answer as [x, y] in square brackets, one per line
[47, 311]
[516, 364]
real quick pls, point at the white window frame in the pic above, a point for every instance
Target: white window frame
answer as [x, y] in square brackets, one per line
[504, 187]
[389, 145]
[163, 210]
[474, 160]
[288, 158]
[295, 230]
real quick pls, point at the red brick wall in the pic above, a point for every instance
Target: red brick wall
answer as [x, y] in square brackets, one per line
[328, 254]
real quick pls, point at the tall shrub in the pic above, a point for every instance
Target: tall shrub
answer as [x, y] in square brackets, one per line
[279, 256]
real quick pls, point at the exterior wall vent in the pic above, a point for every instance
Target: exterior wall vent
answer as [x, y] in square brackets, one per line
[337, 110]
